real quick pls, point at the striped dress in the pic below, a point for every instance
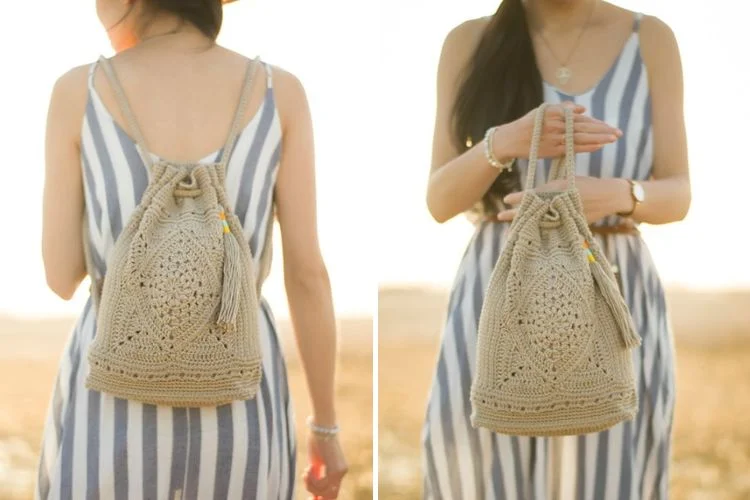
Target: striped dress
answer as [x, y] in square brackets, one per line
[627, 462]
[96, 446]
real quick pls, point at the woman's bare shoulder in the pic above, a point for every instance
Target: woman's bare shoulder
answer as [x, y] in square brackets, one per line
[659, 48]
[68, 98]
[289, 93]
[465, 37]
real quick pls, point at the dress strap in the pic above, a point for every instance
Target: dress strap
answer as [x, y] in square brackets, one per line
[269, 75]
[92, 71]
[127, 111]
[252, 68]
[637, 21]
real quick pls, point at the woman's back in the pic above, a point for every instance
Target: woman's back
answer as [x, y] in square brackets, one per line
[198, 90]
[177, 109]
[183, 91]
[100, 446]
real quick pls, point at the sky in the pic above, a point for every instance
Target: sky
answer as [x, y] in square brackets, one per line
[336, 74]
[704, 251]
[369, 72]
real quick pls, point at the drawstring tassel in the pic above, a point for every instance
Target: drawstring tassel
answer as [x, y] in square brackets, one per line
[612, 296]
[231, 283]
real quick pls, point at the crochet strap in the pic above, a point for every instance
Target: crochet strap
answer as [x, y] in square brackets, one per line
[568, 161]
[127, 111]
[252, 68]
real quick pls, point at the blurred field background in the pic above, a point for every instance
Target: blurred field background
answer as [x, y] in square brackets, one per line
[29, 352]
[69, 34]
[711, 447]
[419, 258]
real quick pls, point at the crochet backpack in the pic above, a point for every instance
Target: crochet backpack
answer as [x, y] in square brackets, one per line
[177, 314]
[555, 334]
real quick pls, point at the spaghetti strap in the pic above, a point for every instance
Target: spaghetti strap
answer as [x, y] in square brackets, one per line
[127, 111]
[637, 21]
[269, 76]
[252, 67]
[114, 182]
[92, 71]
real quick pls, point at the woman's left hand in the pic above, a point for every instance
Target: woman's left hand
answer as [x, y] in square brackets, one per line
[600, 197]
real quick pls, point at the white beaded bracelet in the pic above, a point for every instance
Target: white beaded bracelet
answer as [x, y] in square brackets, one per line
[320, 431]
[489, 152]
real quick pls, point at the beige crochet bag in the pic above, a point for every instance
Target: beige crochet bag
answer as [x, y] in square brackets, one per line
[177, 316]
[553, 352]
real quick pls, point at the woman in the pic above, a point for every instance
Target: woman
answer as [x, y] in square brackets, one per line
[99, 446]
[622, 74]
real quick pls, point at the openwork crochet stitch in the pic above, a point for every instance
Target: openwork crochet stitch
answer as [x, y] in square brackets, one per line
[177, 318]
[553, 349]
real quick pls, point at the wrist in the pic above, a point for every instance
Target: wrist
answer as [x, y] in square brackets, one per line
[322, 431]
[324, 419]
[624, 202]
[500, 143]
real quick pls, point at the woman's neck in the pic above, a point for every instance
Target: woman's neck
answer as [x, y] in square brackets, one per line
[556, 16]
[173, 32]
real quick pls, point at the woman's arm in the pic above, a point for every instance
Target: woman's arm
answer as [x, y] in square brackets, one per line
[305, 275]
[668, 191]
[458, 181]
[307, 285]
[62, 247]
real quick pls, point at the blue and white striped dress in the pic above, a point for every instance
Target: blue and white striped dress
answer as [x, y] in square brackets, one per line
[97, 446]
[631, 460]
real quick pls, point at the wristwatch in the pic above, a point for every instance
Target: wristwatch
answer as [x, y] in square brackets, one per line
[638, 194]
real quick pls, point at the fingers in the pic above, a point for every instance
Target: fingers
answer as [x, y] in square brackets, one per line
[582, 124]
[577, 108]
[315, 485]
[507, 215]
[586, 138]
[513, 198]
[596, 127]
[323, 487]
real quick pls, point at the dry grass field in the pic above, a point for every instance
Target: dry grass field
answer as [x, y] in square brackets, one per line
[29, 351]
[711, 455]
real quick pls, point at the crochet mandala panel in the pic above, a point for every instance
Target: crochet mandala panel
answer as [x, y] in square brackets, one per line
[158, 338]
[550, 358]
[552, 322]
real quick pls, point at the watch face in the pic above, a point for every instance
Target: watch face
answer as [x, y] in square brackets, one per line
[638, 192]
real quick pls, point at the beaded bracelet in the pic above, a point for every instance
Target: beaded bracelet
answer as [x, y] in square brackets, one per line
[320, 431]
[489, 152]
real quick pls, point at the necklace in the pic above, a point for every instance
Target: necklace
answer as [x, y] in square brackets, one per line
[563, 73]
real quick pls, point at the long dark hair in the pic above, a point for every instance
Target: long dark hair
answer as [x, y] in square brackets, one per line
[206, 15]
[502, 84]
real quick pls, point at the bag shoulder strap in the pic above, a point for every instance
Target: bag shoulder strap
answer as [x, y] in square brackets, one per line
[127, 111]
[252, 68]
[129, 116]
[567, 166]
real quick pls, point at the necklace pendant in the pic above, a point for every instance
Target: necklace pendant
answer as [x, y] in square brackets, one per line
[563, 74]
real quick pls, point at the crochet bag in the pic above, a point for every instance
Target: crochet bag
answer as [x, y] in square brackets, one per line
[553, 348]
[177, 315]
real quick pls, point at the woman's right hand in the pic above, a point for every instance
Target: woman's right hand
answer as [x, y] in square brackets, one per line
[327, 467]
[513, 140]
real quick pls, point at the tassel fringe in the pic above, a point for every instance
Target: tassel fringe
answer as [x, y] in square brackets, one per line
[616, 304]
[231, 285]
